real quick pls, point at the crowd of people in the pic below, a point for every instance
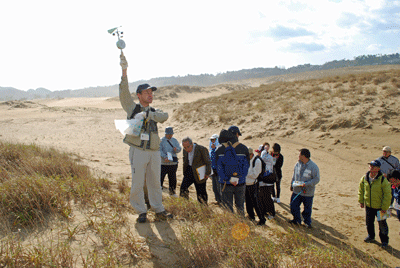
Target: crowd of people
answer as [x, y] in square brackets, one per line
[241, 177]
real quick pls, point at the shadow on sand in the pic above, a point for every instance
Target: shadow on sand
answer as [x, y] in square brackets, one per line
[322, 232]
[163, 248]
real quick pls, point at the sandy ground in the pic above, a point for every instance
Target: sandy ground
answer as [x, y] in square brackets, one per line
[85, 127]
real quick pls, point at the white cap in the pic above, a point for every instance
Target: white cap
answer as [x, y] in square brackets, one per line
[214, 136]
[387, 149]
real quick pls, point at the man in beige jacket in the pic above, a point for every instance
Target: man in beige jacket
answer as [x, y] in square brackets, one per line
[144, 154]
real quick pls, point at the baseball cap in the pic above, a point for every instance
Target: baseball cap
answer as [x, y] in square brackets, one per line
[142, 87]
[305, 152]
[375, 163]
[234, 130]
[387, 149]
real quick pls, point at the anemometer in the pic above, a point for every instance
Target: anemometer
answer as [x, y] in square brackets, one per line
[120, 43]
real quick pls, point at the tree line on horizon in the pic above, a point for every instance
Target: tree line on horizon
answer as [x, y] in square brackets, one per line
[9, 93]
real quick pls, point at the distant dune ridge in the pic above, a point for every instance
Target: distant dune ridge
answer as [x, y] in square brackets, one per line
[345, 116]
[204, 80]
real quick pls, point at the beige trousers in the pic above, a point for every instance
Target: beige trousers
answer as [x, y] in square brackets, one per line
[146, 169]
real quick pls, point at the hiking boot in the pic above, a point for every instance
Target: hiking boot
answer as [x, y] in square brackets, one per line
[142, 218]
[164, 216]
[369, 239]
[293, 222]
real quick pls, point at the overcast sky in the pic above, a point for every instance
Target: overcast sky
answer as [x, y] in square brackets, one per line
[65, 44]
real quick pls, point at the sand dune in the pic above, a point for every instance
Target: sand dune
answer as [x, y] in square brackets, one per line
[342, 139]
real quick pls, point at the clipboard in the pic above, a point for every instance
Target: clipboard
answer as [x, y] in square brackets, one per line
[201, 172]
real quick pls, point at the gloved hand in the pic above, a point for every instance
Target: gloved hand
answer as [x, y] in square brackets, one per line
[123, 62]
[144, 114]
[140, 115]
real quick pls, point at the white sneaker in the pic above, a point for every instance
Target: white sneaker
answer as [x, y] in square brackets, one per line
[270, 217]
[277, 200]
[274, 199]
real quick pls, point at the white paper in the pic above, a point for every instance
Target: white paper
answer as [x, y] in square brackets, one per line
[234, 180]
[396, 205]
[169, 156]
[298, 183]
[201, 171]
[131, 127]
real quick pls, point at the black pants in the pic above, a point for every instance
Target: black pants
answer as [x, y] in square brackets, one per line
[370, 214]
[278, 188]
[188, 180]
[171, 171]
[265, 202]
[251, 202]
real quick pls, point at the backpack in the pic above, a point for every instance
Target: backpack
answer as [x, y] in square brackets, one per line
[230, 161]
[264, 176]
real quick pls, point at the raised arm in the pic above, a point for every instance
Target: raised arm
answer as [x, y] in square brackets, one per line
[125, 97]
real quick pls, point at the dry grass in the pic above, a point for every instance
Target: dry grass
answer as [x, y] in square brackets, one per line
[32, 201]
[208, 240]
[41, 190]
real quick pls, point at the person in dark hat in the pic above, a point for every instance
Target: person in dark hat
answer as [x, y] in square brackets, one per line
[169, 148]
[233, 185]
[235, 131]
[144, 154]
[374, 194]
[305, 178]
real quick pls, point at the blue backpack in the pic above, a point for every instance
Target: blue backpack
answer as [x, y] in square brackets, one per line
[230, 161]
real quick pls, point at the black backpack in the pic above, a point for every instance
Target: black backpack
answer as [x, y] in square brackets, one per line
[262, 167]
[263, 177]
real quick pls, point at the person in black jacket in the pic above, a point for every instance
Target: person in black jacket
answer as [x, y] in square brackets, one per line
[278, 163]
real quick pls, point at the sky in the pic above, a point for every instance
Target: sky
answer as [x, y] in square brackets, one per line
[61, 45]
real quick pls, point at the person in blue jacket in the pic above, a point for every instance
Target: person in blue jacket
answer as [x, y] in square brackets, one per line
[233, 187]
[214, 175]
[169, 148]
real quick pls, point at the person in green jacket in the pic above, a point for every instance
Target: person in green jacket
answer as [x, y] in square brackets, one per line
[374, 194]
